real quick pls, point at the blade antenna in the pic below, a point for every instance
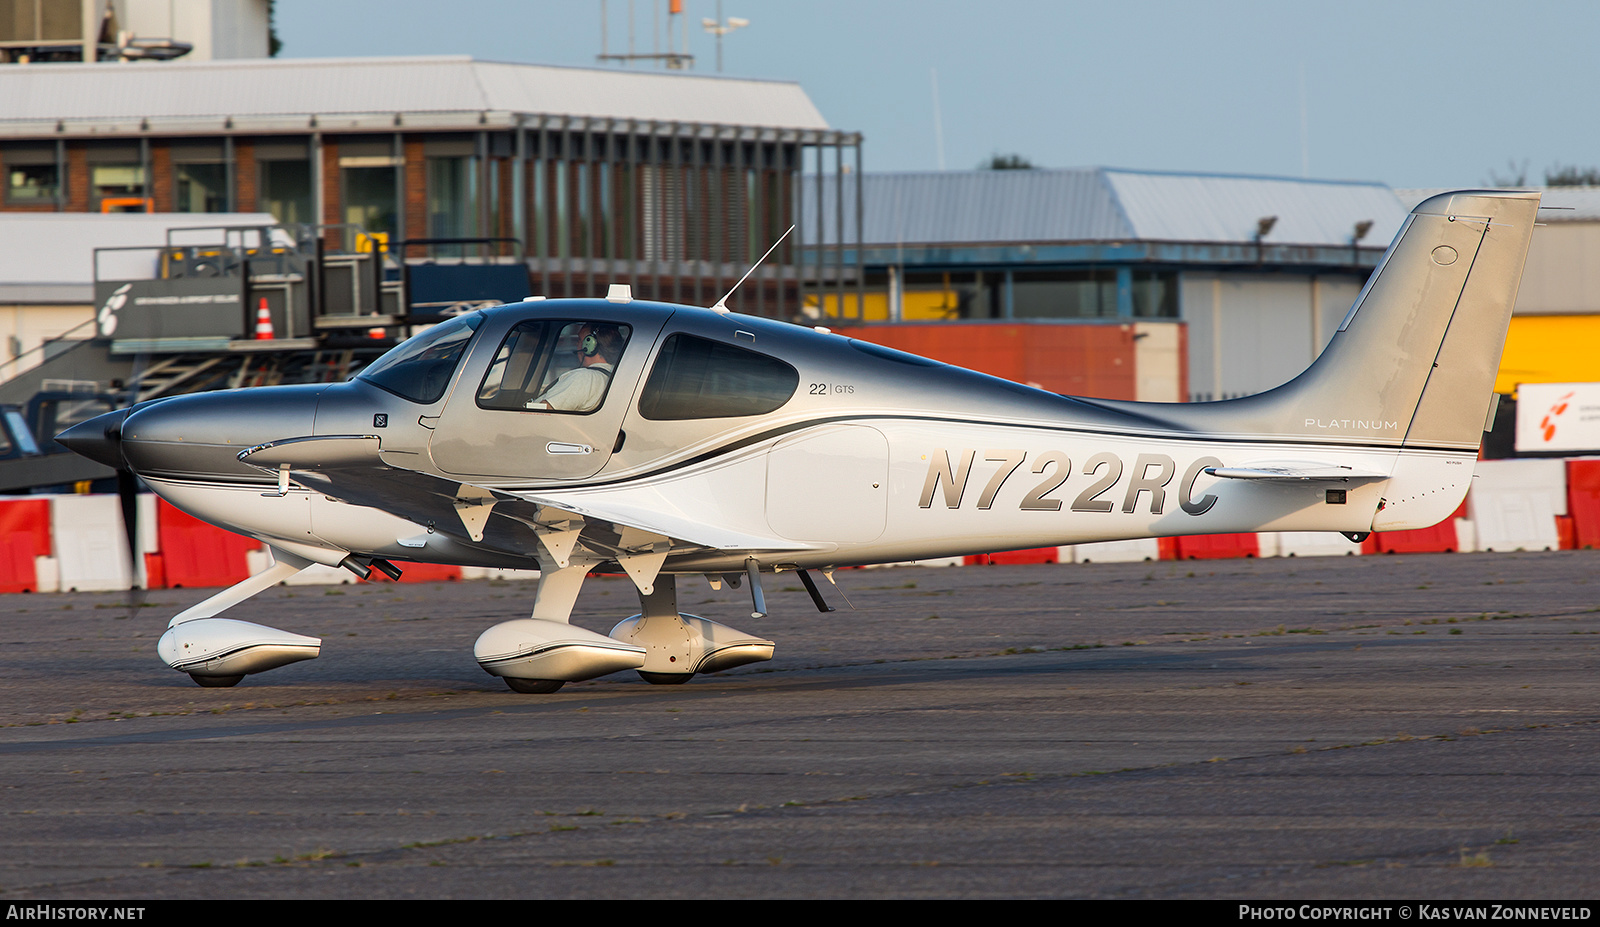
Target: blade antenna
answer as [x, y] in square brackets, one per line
[721, 305]
[828, 572]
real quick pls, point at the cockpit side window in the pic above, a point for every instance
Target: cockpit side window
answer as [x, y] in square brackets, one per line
[698, 378]
[420, 368]
[554, 366]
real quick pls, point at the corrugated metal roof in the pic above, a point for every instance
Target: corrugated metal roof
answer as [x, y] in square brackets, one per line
[1221, 207]
[973, 206]
[1104, 204]
[1556, 204]
[49, 257]
[294, 88]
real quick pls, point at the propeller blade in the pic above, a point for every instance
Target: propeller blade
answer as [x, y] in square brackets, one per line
[128, 495]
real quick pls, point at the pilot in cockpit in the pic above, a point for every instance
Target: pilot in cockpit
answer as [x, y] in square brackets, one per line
[582, 387]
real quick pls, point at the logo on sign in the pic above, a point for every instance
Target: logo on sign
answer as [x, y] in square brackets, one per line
[1547, 425]
[106, 318]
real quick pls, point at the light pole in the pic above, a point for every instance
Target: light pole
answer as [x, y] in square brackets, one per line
[720, 27]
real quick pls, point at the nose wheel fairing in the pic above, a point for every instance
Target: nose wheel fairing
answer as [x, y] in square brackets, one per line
[219, 652]
[222, 648]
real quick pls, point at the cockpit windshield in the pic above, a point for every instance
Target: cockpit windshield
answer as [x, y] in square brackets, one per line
[419, 369]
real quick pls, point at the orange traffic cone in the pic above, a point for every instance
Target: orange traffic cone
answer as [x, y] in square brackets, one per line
[264, 322]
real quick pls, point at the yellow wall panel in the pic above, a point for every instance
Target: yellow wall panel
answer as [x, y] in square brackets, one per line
[1550, 349]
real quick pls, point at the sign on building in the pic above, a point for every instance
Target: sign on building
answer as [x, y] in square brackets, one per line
[1558, 417]
[181, 307]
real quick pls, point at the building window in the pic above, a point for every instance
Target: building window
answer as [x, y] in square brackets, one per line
[452, 199]
[286, 190]
[32, 183]
[369, 198]
[1072, 294]
[200, 187]
[1155, 295]
[118, 187]
[951, 296]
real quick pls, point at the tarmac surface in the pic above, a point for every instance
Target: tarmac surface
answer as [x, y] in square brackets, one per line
[1409, 727]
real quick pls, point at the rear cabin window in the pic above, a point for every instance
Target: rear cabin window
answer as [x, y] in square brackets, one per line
[698, 378]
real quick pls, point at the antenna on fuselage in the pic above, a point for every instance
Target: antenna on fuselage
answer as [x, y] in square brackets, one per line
[721, 305]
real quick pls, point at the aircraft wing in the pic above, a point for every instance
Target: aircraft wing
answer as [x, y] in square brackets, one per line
[355, 469]
[1296, 471]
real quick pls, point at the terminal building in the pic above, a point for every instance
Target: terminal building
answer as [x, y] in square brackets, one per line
[673, 183]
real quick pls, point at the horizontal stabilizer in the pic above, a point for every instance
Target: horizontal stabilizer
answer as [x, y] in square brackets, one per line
[1296, 471]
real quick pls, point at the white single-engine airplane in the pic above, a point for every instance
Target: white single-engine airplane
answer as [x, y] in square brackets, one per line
[661, 440]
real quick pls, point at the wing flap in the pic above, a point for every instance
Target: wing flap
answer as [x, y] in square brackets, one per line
[668, 524]
[354, 469]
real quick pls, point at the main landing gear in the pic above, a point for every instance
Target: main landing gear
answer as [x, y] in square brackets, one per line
[534, 655]
[666, 647]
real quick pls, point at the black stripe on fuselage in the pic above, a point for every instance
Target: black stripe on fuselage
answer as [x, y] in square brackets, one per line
[779, 432]
[773, 433]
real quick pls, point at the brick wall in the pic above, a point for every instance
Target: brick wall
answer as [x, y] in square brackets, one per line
[160, 183]
[77, 179]
[330, 191]
[245, 176]
[415, 173]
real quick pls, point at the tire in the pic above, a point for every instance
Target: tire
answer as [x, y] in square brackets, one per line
[534, 686]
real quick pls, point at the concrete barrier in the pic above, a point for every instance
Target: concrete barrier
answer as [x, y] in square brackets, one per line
[1583, 501]
[1514, 503]
[1008, 557]
[1117, 551]
[1306, 544]
[1211, 547]
[195, 553]
[91, 547]
[24, 542]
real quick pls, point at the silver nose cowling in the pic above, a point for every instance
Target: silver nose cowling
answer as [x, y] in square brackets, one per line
[98, 438]
[200, 435]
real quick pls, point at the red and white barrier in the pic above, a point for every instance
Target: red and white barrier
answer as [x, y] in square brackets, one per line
[1514, 504]
[76, 542]
[24, 542]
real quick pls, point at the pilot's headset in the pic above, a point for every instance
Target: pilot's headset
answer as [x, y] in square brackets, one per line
[588, 344]
[604, 340]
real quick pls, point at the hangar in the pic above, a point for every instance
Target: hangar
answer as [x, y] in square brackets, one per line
[1258, 269]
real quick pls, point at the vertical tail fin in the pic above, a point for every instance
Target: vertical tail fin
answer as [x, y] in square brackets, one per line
[1420, 348]
[1413, 363]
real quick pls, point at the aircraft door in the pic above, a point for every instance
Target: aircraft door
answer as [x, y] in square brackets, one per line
[545, 403]
[829, 484]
